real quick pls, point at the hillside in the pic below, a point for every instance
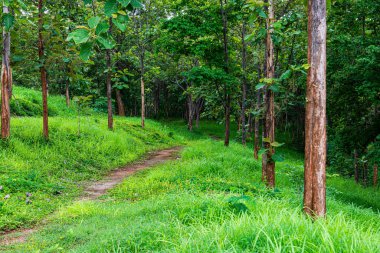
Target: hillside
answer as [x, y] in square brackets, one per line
[209, 200]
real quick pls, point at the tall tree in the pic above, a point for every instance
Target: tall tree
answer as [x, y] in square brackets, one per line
[227, 97]
[6, 77]
[315, 124]
[41, 55]
[244, 84]
[109, 80]
[268, 164]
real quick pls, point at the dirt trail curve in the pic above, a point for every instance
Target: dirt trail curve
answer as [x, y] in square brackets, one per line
[99, 188]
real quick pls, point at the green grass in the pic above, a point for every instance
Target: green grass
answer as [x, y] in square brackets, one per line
[27, 102]
[210, 200]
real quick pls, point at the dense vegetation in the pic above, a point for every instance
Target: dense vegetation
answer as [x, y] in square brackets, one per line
[290, 86]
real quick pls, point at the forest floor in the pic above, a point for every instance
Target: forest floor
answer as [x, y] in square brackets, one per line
[211, 199]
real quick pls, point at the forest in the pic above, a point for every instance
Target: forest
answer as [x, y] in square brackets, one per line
[190, 126]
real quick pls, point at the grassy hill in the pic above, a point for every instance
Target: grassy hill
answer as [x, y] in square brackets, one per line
[210, 200]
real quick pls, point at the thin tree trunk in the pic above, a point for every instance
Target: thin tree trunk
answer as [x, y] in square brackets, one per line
[257, 119]
[244, 85]
[67, 93]
[43, 71]
[268, 163]
[375, 175]
[365, 174]
[142, 89]
[6, 82]
[315, 121]
[190, 109]
[109, 83]
[227, 98]
[142, 102]
[356, 166]
[120, 103]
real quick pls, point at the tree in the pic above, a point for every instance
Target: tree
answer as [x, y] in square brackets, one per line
[244, 83]
[99, 33]
[6, 74]
[315, 123]
[268, 164]
[227, 95]
[109, 80]
[41, 55]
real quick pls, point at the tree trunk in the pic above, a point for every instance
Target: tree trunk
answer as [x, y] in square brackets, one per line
[157, 100]
[356, 166]
[120, 103]
[257, 125]
[268, 163]
[365, 173]
[227, 98]
[375, 175]
[109, 83]
[67, 93]
[190, 109]
[198, 115]
[315, 122]
[43, 71]
[142, 102]
[6, 82]
[257, 119]
[244, 85]
[142, 55]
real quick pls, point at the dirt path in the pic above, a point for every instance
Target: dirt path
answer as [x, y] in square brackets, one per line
[99, 188]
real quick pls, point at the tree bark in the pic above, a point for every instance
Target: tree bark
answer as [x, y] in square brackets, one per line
[315, 122]
[142, 55]
[41, 55]
[375, 175]
[120, 103]
[6, 78]
[6, 82]
[356, 166]
[109, 83]
[67, 92]
[257, 119]
[227, 97]
[268, 163]
[244, 85]
[190, 105]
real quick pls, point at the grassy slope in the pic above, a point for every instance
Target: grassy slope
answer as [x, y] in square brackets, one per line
[211, 200]
[54, 171]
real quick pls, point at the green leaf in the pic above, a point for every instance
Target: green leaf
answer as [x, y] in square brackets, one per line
[276, 144]
[262, 14]
[136, 4]
[85, 51]
[277, 158]
[110, 7]
[274, 88]
[306, 66]
[102, 28]
[8, 21]
[249, 37]
[260, 86]
[122, 26]
[106, 42]
[124, 3]
[267, 139]
[87, 1]
[93, 22]
[286, 75]
[262, 151]
[79, 36]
